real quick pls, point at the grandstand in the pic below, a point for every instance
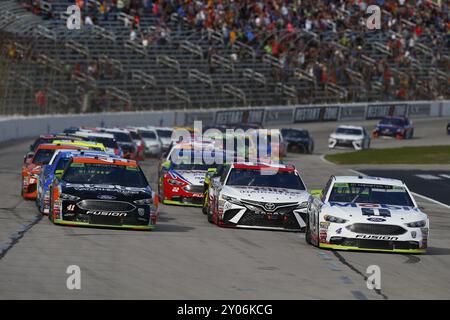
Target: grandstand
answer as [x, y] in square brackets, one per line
[169, 54]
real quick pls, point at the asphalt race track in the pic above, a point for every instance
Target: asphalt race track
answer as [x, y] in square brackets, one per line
[188, 258]
[434, 184]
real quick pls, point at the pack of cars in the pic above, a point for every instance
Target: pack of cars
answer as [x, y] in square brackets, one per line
[91, 177]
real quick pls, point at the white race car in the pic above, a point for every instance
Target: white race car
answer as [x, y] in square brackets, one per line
[257, 195]
[349, 137]
[366, 213]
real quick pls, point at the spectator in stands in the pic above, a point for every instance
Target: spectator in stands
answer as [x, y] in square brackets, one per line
[41, 100]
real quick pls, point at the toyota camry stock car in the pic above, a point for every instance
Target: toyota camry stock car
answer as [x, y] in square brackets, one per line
[103, 192]
[55, 168]
[366, 213]
[181, 179]
[258, 195]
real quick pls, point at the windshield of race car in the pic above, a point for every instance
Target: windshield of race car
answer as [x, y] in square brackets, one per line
[295, 134]
[122, 136]
[259, 178]
[370, 193]
[111, 174]
[392, 122]
[349, 131]
[164, 133]
[43, 156]
[148, 135]
[107, 142]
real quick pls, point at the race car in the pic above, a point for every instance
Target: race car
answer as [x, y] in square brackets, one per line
[354, 137]
[32, 167]
[91, 145]
[165, 136]
[298, 140]
[398, 127]
[125, 141]
[107, 139]
[103, 192]
[366, 213]
[152, 143]
[55, 168]
[138, 141]
[181, 179]
[258, 195]
[49, 138]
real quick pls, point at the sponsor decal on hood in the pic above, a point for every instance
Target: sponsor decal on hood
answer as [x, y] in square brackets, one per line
[194, 177]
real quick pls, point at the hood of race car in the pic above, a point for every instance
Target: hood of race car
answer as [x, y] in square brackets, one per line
[105, 192]
[193, 177]
[265, 194]
[373, 212]
[346, 136]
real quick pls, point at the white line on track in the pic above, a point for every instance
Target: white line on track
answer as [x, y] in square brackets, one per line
[431, 200]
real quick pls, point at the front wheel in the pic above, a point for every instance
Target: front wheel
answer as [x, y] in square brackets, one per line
[209, 215]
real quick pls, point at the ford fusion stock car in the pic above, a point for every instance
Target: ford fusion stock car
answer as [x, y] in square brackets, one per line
[366, 213]
[55, 168]
[258, 195]
[103, 192]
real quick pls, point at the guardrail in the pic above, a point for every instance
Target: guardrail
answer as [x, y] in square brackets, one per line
[22, 127]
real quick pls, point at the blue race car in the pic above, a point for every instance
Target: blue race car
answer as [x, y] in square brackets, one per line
[54, 169]
[396, 127]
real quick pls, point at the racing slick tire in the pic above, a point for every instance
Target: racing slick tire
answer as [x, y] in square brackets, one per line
[205, 207]
[209, 215]
[307, 233]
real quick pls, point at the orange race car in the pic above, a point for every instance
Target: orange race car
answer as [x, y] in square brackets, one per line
[32, 166]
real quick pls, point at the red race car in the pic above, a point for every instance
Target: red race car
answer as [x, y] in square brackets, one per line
[32, 167]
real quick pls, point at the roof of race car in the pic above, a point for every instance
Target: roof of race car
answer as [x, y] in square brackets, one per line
[115, 130]
[395, 117]
[368, 180]
[94, 134]
[88, 144]
[105, 160]
[79, 152]
[263, 166]
[51, 146]
[350, 127]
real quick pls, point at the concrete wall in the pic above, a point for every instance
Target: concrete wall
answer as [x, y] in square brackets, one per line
[22, 127]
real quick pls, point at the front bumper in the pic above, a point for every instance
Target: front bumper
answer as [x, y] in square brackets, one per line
[355, 248]
[339, 143]
[85, 224]
[338, 236]
[84, 213]
[239, 216]
[176, 195]
[29, 191]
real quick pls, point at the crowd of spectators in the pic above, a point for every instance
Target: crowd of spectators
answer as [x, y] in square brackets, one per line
[327, 39]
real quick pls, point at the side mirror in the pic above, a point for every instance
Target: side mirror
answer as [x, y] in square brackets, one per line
[28, 157]
[317, 193]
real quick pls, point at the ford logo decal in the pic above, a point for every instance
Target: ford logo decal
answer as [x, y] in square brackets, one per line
[376, 219]
[106, 197]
